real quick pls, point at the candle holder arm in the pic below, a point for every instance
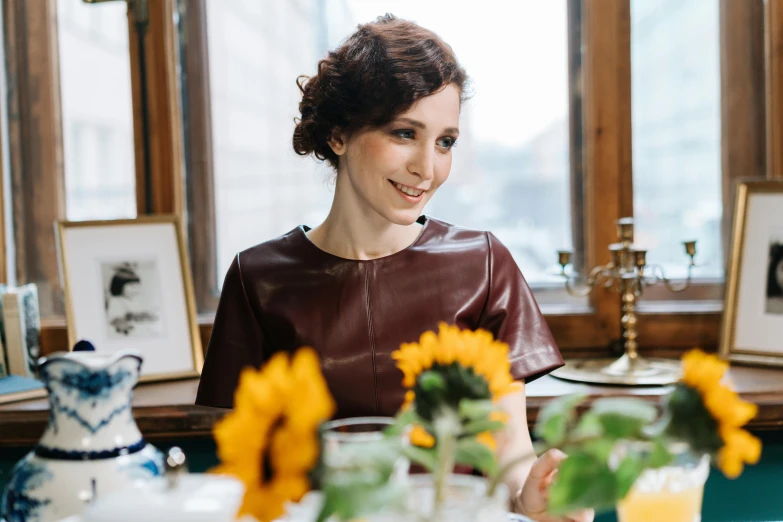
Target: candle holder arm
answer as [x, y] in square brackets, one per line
[597, 275]
[657, 275]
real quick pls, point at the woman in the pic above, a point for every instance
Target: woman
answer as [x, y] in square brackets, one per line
[125, 311]
[775, 279]
[383, 110]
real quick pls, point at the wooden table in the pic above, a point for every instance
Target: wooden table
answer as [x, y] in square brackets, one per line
[166, 410]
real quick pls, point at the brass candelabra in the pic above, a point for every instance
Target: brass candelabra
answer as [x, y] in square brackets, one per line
[627, 273]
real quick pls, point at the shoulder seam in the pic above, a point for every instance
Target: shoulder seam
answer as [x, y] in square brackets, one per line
[489, 281]
[242, 280]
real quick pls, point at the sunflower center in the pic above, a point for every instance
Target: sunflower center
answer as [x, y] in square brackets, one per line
[267, 472]
[691, 421]
[456, 382]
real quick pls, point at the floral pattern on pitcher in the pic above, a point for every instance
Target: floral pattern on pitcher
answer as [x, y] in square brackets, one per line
[18, 504]
[94, 388]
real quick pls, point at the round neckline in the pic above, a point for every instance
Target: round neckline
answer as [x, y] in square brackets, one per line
[422, 220]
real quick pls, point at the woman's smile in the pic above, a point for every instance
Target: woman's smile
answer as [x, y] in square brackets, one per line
[411, 194]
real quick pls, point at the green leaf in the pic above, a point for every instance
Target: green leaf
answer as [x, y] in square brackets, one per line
[333, 503]
[582, 482]
[472, 453]
[624, 417]
[430, 381]
[626, 474]
[401, 422]
[351, 502]
[659, 456]
[424, 456]
[599, 449]
[555, 416]
[472, 409]
[482, 425]
[589, 426]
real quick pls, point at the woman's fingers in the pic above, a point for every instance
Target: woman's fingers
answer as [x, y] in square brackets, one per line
[583, 515]
[546, 464]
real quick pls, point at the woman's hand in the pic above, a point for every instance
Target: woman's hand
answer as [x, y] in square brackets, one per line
[532, 499]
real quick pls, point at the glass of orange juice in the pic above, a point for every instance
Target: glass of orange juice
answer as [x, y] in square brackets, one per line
[672, 493]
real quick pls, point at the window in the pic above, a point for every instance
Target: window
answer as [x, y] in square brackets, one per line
[262, 187]
[69, 130]
[675, 75]
[97, 117]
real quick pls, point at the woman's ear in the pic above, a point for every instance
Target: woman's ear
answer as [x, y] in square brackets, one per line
[337, 142]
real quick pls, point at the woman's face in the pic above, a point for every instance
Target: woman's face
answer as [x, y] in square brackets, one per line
[394, 170]
[132, 289]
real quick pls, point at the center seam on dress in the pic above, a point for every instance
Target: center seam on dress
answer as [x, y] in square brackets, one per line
[372, 336]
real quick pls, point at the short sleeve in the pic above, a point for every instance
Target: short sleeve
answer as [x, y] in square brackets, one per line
[236, 342]
[512, 315]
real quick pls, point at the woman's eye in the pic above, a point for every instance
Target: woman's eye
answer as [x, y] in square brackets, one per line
[404, 134]
[447, 143]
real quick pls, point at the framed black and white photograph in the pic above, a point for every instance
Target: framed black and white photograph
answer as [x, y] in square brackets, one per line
[753, 308]
[127, 284]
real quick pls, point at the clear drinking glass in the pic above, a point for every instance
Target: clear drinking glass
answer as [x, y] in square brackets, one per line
[673, 493]
[343, 441]
[466, 500]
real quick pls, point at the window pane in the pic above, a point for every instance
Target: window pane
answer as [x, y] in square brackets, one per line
[97, 111]
[256, 51]
[511, 170]
[675, 56]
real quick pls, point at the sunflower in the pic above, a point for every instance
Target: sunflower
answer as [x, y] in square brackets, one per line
[703, 373]
[270, 440]
[471, 365]
[421, 437]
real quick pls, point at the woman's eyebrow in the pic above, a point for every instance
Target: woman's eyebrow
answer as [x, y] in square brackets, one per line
[421, 125]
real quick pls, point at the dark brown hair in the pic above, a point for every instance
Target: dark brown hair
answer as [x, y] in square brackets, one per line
[775, 258]
[377, 73]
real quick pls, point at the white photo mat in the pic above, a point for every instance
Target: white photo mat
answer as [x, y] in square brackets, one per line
[753, 321]
[97, 261]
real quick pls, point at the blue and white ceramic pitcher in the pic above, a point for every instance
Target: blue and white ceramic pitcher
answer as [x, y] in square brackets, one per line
[91, 445]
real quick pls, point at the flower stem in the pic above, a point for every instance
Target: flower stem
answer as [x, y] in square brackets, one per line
[498, 477]
[446, 426]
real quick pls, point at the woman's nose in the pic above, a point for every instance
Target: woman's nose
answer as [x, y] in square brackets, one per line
[423, 163]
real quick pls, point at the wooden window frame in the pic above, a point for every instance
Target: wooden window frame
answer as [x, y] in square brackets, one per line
[773, 52]
[35, 144]
[198, 146]
[751, 143]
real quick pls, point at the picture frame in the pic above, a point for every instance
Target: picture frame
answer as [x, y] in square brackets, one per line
[128, 284]
[753, 307]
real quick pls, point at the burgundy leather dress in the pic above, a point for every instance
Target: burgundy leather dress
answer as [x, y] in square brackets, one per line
[287, 293]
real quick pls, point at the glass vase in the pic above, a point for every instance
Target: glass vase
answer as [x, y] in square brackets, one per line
[341, 438]
[466, 501]
[673, 493]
